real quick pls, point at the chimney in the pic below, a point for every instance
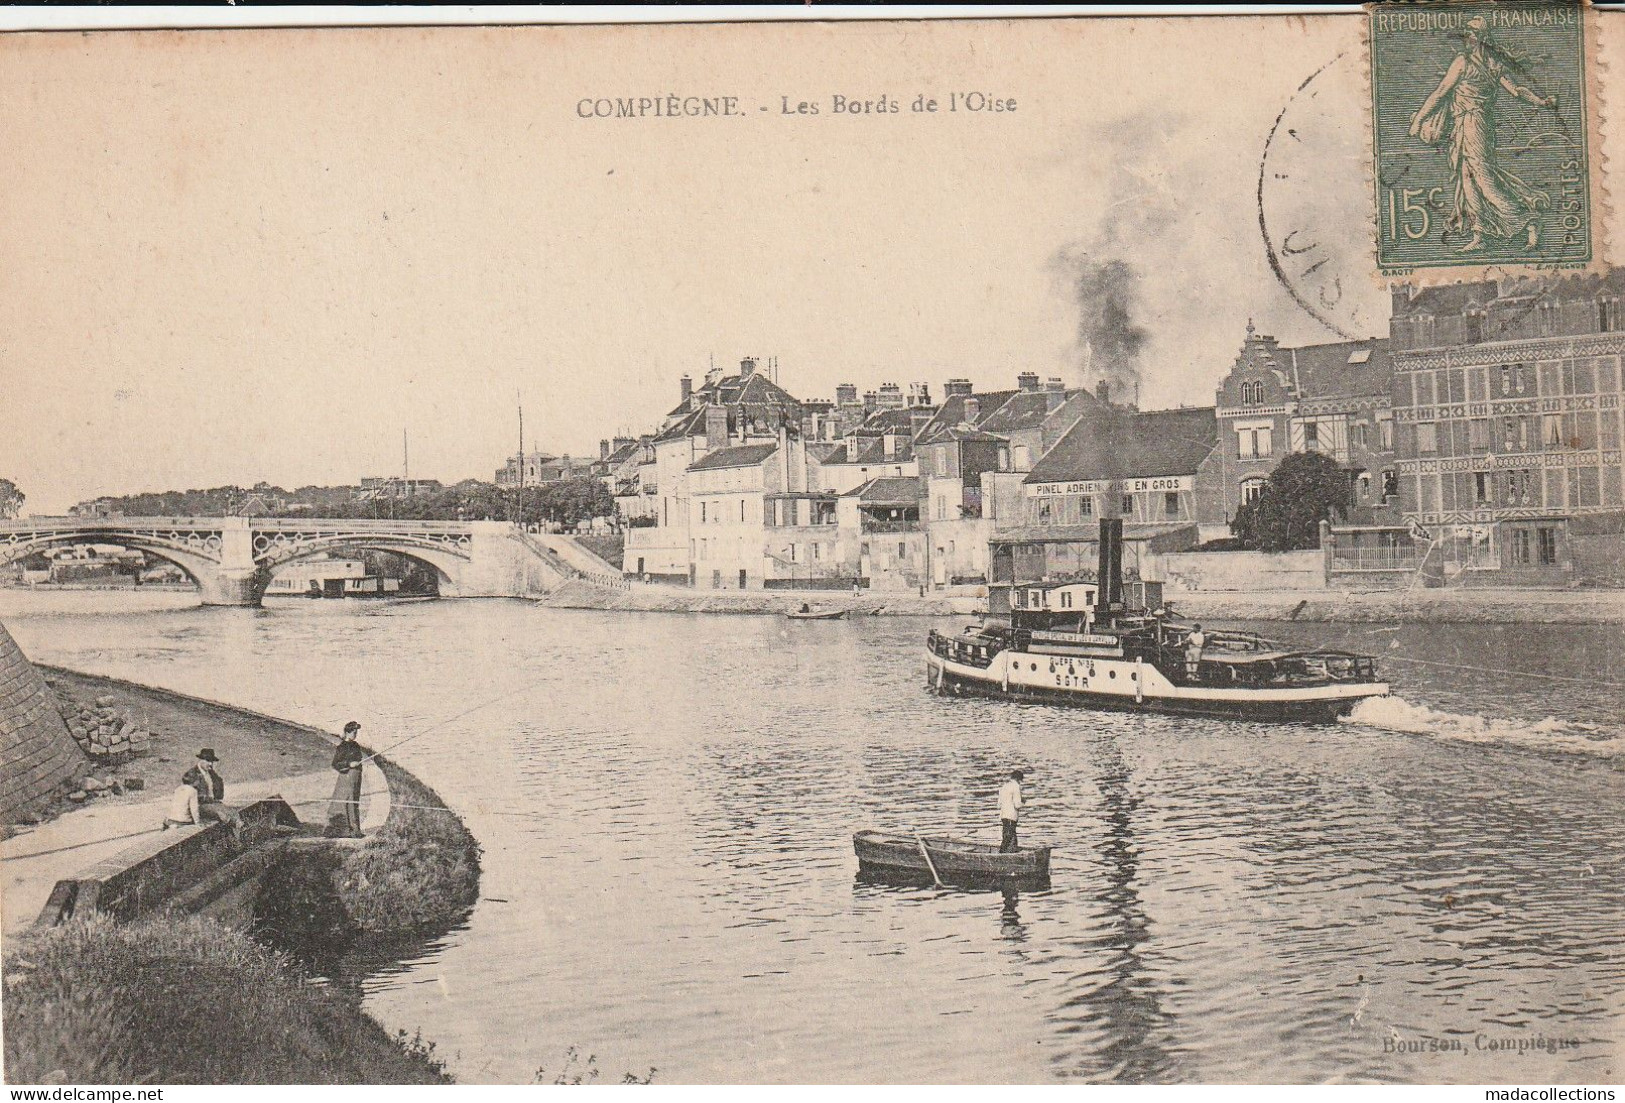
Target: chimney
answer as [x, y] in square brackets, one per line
[846, 395]
[603, 449]
[716, 426]
[973, 410]
[1027, 381]
[1104, 393]
[956, 387]
[919, 394]
[917, 421]
[871, 402]
[621, 442]
[747, 367]
[891, 396]
[1055, 384]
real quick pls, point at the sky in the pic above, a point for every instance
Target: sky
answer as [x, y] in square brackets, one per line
[265, 255]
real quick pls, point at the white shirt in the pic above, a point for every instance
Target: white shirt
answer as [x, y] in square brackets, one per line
[1196, 641]
[1010, 800]
[183, 805]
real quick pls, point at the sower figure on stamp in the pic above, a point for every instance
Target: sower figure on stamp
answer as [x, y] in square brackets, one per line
[344, 812]
[1010, 804]
[1488, 198]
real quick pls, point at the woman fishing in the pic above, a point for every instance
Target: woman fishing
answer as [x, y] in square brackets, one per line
[344, 810]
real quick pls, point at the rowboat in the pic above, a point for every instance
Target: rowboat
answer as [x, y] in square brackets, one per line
[954, 859]
[824, 614]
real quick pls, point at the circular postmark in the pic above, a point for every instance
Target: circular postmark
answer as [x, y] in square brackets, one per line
[1314, 207]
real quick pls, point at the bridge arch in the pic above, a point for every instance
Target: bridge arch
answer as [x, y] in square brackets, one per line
[199, 562]
[447, 566]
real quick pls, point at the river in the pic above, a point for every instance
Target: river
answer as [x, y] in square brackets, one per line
[666, 804]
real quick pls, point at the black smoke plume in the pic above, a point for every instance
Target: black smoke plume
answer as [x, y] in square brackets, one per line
[1106, 292]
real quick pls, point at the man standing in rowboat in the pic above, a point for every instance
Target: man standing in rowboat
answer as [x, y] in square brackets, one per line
[1010, 811]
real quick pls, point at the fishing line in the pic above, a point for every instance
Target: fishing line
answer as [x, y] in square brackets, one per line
[442, 723]
[1496, 670]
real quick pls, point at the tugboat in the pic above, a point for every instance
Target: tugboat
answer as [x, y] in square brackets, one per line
[1082, 643]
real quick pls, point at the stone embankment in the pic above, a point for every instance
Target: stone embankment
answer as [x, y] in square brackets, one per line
[1416, 606]
[649, 598]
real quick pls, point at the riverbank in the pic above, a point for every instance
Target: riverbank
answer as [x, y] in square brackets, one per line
[94, 1001]
[1417, 606]
[173, 1000]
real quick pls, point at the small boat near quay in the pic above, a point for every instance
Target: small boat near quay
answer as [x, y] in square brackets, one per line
[949, 860]
[817, 614]
[1084, 644]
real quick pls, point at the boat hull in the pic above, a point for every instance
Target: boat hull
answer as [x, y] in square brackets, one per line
[833, 615]
[956, 860]
[1075, 683]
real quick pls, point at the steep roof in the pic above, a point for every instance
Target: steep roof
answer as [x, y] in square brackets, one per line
[1453, 298]
[740, 455]
[899, 490]
[952, 412]
[871, 450]
[1029, 410]
[1341, 369]
[753, 398]
[1116, 443]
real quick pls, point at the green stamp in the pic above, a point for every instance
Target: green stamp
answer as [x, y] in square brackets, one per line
[1481, 136]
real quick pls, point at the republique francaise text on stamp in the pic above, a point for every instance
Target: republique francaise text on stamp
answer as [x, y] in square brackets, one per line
[1481, 138]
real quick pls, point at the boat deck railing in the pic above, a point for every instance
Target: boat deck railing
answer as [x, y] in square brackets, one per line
[968, 651]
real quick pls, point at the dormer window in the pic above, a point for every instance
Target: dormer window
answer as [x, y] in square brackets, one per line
[1607, 314]
[1473, 320]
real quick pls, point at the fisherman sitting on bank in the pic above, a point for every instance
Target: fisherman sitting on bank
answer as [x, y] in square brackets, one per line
[211, 788]
[183, 807]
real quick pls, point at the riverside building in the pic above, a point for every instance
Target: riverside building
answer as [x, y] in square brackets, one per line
[1509, 427]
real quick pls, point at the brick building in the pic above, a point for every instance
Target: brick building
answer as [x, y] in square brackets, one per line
[1336, 399]
[1509, 426]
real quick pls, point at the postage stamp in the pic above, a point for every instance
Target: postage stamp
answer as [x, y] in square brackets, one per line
[1482, 138]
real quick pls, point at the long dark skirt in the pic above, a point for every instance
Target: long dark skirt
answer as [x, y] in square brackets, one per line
[344, 810]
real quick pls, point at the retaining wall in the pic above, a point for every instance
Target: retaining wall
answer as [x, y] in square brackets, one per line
[36, 752]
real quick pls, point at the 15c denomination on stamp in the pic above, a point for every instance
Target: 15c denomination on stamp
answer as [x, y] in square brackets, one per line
[1482, 138]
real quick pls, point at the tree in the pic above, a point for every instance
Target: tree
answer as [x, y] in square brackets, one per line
[11, 499]
[1306, 489]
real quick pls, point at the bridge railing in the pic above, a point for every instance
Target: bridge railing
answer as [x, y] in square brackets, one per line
[215, 524]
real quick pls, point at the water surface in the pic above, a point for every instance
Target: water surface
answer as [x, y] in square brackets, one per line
[666, 804]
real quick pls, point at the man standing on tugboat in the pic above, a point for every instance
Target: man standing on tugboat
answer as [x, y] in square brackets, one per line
[1193, 651]
[1010, 803]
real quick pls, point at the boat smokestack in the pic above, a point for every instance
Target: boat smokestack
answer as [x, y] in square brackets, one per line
[1109, 574]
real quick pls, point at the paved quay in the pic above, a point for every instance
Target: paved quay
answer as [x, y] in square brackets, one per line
[260, 757]
[1418, 605]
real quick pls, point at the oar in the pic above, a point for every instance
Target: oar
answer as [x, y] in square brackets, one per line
[929, 864]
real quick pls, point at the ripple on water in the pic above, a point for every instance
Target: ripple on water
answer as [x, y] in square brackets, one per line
[667, 803]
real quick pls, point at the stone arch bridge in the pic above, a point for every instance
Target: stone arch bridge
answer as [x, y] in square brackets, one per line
[232, 558]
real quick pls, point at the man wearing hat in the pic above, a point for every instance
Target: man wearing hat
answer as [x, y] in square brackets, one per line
[344, 811]
[210, 786]
[1010, 803]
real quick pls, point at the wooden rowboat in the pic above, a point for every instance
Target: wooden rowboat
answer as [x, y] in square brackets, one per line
[954, 859]
[828, 614]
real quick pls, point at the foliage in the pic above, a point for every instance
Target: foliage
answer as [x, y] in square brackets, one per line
[421, 869]
[1306, 489]
[563, 501]
[577, 1072]
[11, 499]
[173, 1000]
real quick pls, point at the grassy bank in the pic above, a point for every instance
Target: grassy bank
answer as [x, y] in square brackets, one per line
[420, 871]
[422, 868]
[184, 1001]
